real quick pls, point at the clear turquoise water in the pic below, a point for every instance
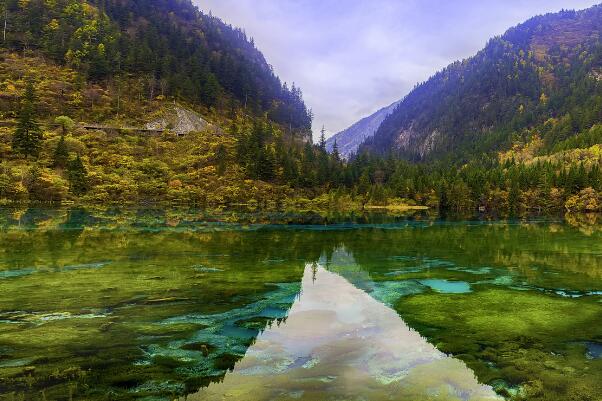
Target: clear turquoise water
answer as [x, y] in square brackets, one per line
[160, 305]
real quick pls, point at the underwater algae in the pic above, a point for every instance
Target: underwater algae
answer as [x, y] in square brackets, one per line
[156, 306]
[90, 333]
[518, 339]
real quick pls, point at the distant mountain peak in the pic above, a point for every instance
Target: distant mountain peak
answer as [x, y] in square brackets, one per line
[349, 140]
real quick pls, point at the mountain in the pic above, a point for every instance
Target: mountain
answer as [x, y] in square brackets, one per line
[129, 101]
[544, 76]
[168, 47]
[349, 140]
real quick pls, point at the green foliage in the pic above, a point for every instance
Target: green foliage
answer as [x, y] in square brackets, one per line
[28, 135]
[541, 77]
[78, 176]
[264, 159]
[61, 154]
[65, 122]
[221, 158]
[44, 186]
[584, 139]
[536, 184]
[165, 48]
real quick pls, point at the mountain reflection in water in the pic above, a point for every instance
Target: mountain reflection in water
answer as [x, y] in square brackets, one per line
[338, 343]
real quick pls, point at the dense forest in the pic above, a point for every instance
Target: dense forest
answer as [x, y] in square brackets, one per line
[124, 63]
[543, 75]
[171, 45]
[517, 128]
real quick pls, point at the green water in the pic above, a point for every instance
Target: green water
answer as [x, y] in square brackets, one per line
[159, 305]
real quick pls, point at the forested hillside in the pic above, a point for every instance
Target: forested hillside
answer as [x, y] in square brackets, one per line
[514, 129]
[124, 65]
[169, 48]
[93, 93]
[544, 74]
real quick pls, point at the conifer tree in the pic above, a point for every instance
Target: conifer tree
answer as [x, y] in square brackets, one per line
[307, 164]
[78, 176]
[266, 164]
[322, 143]
[27, 138]
[335, 152]
[61, 154]
[221, 158]
[290, 171]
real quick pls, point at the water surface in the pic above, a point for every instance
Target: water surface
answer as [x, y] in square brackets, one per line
[340, 343]
[160, 305]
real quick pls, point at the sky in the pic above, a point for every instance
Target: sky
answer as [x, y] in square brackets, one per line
[353, 57]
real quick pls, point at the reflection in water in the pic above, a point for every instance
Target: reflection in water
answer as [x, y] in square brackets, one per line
[154, 305]
[339, 343]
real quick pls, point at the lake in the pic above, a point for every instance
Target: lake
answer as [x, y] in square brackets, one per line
[163, 305]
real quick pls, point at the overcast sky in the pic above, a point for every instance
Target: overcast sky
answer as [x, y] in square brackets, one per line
[352, 57]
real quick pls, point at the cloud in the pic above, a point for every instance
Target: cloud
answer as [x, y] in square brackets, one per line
[352, 57]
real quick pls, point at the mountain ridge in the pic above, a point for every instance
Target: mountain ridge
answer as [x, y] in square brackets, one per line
[79, 76]
[170, 48]
[535, 71]
[349, 140]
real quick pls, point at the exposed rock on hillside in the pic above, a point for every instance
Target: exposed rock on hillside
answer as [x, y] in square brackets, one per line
[181, 121]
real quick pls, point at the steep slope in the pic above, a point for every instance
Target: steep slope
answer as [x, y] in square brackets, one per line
[162, 47]
[223, 131]
[548, 67]
[349, 140]
[213, 158]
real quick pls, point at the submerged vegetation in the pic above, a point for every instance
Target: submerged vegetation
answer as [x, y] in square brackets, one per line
[162, 303]
[112, 103]
[517, 341]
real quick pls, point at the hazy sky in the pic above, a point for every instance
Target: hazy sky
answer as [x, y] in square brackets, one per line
[352, 57]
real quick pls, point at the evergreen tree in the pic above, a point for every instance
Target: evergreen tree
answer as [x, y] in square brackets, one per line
[308, 175]
[28, 136]
[290, 170]
[61, 154]
[32, 181]
[78, 176]
[266, 164]
[209, 62]
[221, 158]
[322, 143]
[364, 183]
[513, 197]
[335, 152]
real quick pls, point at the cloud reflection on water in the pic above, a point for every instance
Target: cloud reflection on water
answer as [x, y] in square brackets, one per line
[339, 343]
